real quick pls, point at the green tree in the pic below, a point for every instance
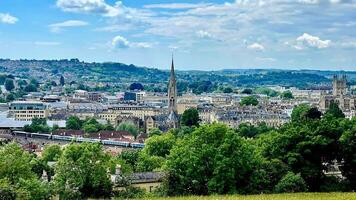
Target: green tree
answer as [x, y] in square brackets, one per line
[334, 111]
[30, 88]
[90, 128]
[34, 189]
[61, 81]
[130, 157]
[228, 90]
[10, 97]
[51, 153]
[348, 146]
[247, 91]
[74, 123]
[15, 163]
[267, 91]
[159, 145]
[190, 117]
[212, 159]
[81, 172]
[291, 183]
[287, 95]
[300, 112]
[130, 127]
[7, 191]
[249, 100]
[9, 84]
[266, 175]
[154, 132]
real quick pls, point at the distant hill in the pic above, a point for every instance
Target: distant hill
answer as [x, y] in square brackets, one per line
[122, 74]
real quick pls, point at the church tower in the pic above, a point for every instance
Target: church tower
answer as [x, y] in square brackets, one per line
[173, 118]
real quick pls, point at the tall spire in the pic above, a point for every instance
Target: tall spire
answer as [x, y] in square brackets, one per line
[172, 68]
[172, 99]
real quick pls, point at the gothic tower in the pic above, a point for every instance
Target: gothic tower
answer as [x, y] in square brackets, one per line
[172, 99]
[339, 85]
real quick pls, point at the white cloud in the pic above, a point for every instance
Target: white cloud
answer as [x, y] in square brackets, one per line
[256, 46]
[57, 27]
[204, 34]
[177, 5]
[46, 43]
[7, 18]
[88, 6]
[120, 42]
[307, 40]
[309, 1]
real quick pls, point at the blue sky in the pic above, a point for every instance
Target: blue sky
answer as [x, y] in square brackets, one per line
[204, 35]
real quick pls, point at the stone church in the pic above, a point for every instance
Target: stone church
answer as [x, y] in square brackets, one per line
[341, 96]
[171, 119]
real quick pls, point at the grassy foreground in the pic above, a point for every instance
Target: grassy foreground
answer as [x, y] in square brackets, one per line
[299, 196]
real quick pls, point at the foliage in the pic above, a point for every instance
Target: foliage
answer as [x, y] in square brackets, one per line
[51, 153]
[130, 193]
[267, 91]
[348, 150]
[7, 192]
[130, 157]
[34, 189]
[159, 145]
[61, 81]
[299, 112]
[250, 131]
[136, 86]
[154, 132]
[9, 84]
[291, 183]
[90, 128]
[249, 100]
[228, 90]
[10, 97]
[14, 163]
[266, 175]
[74, 172]
[190, 117]
[73, 123]
[130, 127]
[247, 91]
[212, 159]
[38, 125]
[334, 111]
[287, 95]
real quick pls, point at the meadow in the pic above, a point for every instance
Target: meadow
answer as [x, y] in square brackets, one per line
[296, 196]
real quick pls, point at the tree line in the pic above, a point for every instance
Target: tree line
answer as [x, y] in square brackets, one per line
[197, 159]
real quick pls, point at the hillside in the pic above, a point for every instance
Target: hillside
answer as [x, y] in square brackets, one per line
[119, 74]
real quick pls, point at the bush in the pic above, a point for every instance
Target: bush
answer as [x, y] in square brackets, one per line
[6, 191]
[129, 193]
[291, 183]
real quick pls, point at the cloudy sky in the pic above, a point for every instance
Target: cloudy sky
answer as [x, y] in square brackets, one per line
[204, 35]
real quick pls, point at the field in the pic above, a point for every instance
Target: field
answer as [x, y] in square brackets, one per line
[300, 196]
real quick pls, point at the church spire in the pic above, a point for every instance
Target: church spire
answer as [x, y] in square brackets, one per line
[172, 68]
[172, 99]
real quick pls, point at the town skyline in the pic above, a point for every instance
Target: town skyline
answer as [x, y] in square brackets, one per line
[209, 35]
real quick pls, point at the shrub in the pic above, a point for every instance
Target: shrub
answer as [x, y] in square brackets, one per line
[291, 183]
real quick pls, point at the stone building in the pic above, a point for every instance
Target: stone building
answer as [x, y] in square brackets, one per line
[341, 96]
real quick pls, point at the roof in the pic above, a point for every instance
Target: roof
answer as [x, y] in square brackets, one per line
[120, 135]
[66, 132]
[146, 177]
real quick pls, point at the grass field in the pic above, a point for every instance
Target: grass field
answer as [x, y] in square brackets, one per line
[299, 196]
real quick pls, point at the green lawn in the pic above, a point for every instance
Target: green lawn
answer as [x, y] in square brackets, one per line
[300, 196]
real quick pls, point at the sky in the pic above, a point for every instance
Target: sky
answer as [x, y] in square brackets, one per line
[203, 35]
